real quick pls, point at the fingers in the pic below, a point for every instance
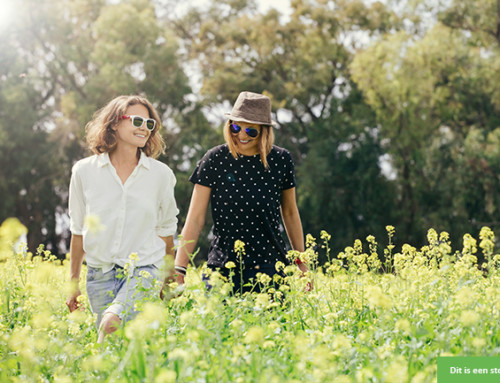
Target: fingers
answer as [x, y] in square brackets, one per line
[167, 292]
[162, 293]
[72, 304]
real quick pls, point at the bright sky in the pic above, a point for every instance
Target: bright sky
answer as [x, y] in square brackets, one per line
[7, 9]
[283, 6]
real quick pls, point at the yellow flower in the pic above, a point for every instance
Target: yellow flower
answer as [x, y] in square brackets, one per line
[237, 324]
[62, 379]
[93, 223]
[444, 236]
[331, 317]
[432, 236]
[370, 239]
[12, 229]
[263, 278]
[325, 236]
[397, 371]
[487, 243]
[376, 297]
[419, 377]
[469, 317]
[385, 351]
[279, 266]
[274, 327]
[358, 246]
[147, 321]
[343, 379]
[230, 265]
[310, 241]
[293, 255]
[390, 230]
[178, 354]
[403, 325]
[193, 335]
[262, 300]
[465, 296]
[364, 375]
[479, 343]
[255, 335]
[470, 244]
[145, 274]
[238, 351]
[21, 341]
[166, 376]
[269, 344]
[239, 246]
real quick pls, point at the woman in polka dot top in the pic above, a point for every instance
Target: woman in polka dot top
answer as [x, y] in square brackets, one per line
[250, 184]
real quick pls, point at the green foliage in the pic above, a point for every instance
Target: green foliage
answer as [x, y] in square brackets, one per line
[343, 162]
[428, 96]
[29, 169]
[351, 82]
[357, 325]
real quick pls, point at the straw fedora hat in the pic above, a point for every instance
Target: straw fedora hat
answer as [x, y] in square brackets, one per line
[253, 108]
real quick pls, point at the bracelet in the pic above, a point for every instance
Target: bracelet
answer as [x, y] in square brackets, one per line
[298, 261]
[180, 270]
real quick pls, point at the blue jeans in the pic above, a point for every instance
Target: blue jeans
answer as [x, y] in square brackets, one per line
[114, 292]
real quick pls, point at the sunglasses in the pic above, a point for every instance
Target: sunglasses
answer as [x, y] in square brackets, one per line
[138, 121]
[251, 132]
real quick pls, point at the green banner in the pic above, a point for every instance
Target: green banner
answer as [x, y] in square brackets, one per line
[476, 369]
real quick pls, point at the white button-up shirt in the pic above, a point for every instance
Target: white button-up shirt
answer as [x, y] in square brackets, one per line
[118, 219]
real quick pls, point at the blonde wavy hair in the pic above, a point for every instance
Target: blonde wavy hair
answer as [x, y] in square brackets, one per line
[266, 142]
[99, 133]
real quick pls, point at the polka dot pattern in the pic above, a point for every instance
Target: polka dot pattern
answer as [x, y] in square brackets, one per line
[245, 203]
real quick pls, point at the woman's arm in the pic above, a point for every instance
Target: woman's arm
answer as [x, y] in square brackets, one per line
[194, 224]
[76, 254]
[291, 220]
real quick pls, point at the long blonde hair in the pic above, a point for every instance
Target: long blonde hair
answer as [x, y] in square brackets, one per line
[266, 142]
[100, 136]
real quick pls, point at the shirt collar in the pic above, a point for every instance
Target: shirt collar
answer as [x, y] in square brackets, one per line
[144, 160]
[103, 160]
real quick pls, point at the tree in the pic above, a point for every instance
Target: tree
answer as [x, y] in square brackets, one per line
[28, 166]
[431, 93]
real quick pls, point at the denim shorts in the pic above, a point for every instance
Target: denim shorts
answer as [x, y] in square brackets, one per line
[114, 292]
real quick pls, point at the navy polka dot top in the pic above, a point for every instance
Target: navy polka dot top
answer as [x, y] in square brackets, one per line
[245, 203]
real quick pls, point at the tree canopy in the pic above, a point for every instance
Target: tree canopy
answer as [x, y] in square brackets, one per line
[391, 111]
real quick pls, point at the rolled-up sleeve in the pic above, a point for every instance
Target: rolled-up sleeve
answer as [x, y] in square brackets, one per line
[76, 203]
[167, 215]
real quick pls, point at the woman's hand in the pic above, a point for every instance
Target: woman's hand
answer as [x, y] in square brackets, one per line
[166, 292]
[303, 268]
[72, 301]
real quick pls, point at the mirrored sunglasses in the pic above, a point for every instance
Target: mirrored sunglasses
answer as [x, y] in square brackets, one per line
[251, 132]
[138, 121]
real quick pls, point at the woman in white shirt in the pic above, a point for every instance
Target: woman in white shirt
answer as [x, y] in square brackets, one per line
[122, 211]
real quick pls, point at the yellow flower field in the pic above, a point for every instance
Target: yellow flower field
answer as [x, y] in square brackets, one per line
[368, 319]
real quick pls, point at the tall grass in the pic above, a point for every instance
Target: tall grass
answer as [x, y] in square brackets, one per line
[365, 320]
